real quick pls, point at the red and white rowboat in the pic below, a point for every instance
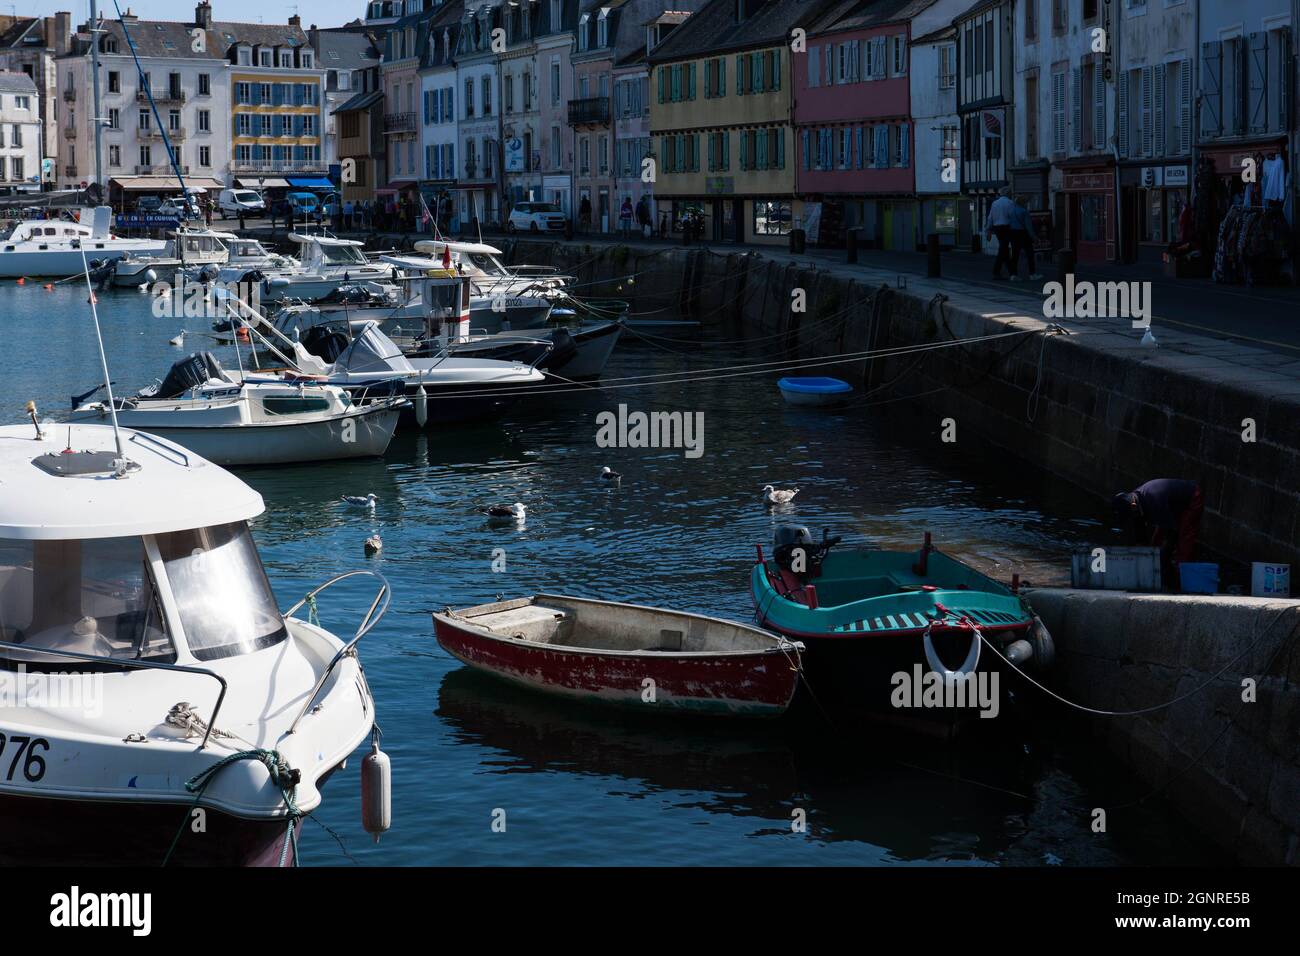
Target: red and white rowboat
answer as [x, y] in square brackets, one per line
[642, 657]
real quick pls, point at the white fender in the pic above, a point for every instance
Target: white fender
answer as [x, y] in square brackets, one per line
[421, 406]
[968, 666]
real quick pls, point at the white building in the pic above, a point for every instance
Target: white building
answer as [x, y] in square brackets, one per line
[20, 134]
[478, 90]
[30, 45]
[439, 126]
[937, 134]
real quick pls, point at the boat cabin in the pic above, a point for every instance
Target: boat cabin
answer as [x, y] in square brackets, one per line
[326, 251]
[144, 555]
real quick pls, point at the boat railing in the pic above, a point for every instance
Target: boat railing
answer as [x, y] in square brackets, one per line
[177, 453]
[378, 608]
[129, 662]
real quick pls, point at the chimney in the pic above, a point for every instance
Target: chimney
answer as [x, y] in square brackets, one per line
[203, 15]
[60, 25]
[295, 21]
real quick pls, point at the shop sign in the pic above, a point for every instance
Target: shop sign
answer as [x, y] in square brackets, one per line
[720, 185]
[1152, 176]
[1081, 182]
[1176, 176]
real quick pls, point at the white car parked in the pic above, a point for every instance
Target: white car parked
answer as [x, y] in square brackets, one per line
[536, 217]
[232, 202]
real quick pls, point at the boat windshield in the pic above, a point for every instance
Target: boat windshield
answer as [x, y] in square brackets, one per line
[342, 255]
[92, 596]
[222, 595]
[487, 264]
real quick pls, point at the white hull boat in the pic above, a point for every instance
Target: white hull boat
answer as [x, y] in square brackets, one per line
[141, 609]
[55, 247]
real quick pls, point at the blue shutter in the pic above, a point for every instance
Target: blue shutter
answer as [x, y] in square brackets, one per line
[904, 145]
[807, 149]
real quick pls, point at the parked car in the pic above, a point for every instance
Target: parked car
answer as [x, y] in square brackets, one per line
[536, 217]
[148, 205]
[180, 208]
[236, 202]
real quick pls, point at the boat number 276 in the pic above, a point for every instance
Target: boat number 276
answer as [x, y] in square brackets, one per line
[23, 751]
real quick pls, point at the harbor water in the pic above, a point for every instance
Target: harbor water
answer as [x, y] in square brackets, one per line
[575, 785]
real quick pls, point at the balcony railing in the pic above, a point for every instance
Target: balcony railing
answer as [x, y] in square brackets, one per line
[70, 93]
[153, 132]
[399, 122]
[160, 169]
[591, 110]
[161, 96]
[274, 168]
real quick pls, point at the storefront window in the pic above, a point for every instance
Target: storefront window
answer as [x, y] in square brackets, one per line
[1092, 217]
[772, 218]
[945, 215]
[682, 208]
[1174, 202]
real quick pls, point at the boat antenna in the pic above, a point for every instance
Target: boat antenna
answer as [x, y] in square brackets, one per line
[145, 85]
[103, 359]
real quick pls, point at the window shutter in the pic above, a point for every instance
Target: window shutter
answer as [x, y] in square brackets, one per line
[661, 83]
[905, 145]
[864, 56]
[690, 81]
[1212, 88]
[1286, 80]
[1147, 138]
[807, 149]
[779, 135]
[857, 135]
[1158, 113]
[741, 87]
[1257, 83]
[828, 52]
[1121, 142]
[776, 71]
[713, 152]
[881, 55]
[882, 147]
[814, 66]
[1076, 110]
[722, 77]
[1098, 107]
[1058, 113]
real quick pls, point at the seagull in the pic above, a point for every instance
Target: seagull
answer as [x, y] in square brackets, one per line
[360, 501]
[142, 287]
[610, 477]
[178, 341]
[504, 512]
[775, 497]
[374, 544]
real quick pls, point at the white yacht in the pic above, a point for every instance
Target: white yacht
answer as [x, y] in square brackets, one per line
[187, 249]
[231, 422]
[322, 266]
[491, 277]
[141, 647]
[53, 247]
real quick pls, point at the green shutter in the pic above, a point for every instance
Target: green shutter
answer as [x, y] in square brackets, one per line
[665, 152]
[740, 74]
[722, 77]
[713, 153]
[690, 81]
[726, 151]
[661, 83]
[780, 147]
[776, 70]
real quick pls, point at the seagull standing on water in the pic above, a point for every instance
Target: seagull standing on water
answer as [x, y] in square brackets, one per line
[610, 477]
[360, 501]
[178, 341]
[514, 512]
[775, 496]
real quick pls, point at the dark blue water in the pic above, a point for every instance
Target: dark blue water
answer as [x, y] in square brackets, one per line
[586, 786]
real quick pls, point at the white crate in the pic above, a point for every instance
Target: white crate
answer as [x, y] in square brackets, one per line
[1126, 568]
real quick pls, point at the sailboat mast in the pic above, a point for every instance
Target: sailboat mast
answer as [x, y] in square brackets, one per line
[95, 32]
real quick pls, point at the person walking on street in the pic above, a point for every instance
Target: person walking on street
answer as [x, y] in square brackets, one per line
[625, 217]
[998, 223]
[642, 216]
[1022, 240]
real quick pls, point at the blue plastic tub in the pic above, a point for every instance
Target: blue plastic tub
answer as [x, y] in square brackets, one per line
[814, 390]
[1198, 578]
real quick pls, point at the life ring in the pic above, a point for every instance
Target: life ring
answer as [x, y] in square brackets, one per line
[968, 666]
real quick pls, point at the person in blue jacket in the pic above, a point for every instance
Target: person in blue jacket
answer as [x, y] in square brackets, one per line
[1022, 240]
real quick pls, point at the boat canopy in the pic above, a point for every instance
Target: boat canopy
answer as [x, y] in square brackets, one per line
[61, 486]
[372, 351]
[434, 247]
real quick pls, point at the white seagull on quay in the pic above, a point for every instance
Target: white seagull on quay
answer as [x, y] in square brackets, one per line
[360, 501]
[514, 512]
[610, 477]
[774, 496]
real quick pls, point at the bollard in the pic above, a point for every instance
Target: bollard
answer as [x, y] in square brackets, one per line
[1064, 263]
[851, 247]
[932, 255]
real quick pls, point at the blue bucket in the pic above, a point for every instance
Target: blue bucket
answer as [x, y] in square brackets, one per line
[1198, 578]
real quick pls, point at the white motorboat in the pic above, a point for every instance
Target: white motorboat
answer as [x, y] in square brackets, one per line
[232, 422]
[490, 276]
[323, 265]
[141, 649]
[54, 247]
[188, 249]
[499, 306]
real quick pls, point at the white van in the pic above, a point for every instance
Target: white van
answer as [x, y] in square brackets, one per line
[232, 202]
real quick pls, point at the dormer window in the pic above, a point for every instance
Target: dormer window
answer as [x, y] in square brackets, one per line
[305, 57]
[583, 22]
[286, 59]
[556, 6]
[245, 56]
[602, 28]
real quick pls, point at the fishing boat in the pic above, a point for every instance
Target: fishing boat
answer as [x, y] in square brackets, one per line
[55, 247]
[234, 422]
[665, 662]
[142, 649]
[869, 615]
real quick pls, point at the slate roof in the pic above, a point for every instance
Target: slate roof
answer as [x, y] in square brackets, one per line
[345, 50]
[14, 82]
[715, 29]
[360, 101]
[170, 38]
[17, 30]
[861, 14]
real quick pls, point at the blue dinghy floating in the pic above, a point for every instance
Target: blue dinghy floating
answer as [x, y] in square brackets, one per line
[815, 391]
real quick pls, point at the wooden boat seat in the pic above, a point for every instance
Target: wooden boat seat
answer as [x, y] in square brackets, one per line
[530, 622]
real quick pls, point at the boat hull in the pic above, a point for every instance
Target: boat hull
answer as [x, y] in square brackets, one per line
[69, 262]
[40, 831]
[760, 684]
[364, 433]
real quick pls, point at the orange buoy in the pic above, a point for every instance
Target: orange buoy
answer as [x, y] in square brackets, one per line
[22, 282]
[49, 287]
[241, 333]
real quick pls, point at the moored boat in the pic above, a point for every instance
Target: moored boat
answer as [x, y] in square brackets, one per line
[640, 657]
[868, 616]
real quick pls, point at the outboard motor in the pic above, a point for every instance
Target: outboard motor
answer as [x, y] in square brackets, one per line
[563, 351]
[186, 374]
[208, 274]
[785, 541]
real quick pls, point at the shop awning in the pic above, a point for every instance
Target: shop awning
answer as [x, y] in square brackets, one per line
[312, 182]
[162, 183]
[270, 182]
